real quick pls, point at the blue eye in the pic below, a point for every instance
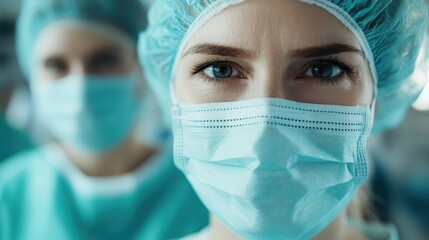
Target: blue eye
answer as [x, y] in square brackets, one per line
[221, 70]
[324, 71]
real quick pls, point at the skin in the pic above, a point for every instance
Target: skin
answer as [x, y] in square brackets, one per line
[272, 71]
[274, 51]
[64, 49]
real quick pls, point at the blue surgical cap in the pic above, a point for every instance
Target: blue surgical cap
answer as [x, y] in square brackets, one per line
[391, 30]
[129, 16]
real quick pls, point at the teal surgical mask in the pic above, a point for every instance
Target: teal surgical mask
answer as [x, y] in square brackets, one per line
[273, 168]
[88, 113]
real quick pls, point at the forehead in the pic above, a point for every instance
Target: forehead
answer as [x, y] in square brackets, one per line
[281, 23]
[68, 38]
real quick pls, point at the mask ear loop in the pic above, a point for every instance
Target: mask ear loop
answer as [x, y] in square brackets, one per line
[372, 108]
[173, 93]
[373, 103]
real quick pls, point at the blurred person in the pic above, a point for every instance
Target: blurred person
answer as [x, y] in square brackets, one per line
[400, 186]
[272, 104]
[98, 179]
[401, 182]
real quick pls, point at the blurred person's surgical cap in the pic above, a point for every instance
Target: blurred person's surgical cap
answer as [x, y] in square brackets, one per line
[129, 16]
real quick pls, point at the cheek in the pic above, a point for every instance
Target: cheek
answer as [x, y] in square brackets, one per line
[142, 88]
[128, 63]
[196, 90]
[42, 75]
[184, 91]
[368, 86]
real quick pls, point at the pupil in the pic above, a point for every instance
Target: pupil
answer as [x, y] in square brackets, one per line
[222, 71]
[322, 71]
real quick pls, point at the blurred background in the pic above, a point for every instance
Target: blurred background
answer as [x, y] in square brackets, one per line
[16, 121]
[400, 181]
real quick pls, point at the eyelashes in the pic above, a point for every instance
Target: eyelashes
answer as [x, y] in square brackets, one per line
[311, 70]
[205, 64]
[218, 67]
[344, 70]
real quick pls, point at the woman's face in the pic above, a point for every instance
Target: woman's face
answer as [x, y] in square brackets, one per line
[285, 49]
[65, 49]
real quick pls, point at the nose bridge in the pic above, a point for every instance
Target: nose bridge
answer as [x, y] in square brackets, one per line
[271, 80]
[82, 67]
[86, 68]
[79, 68]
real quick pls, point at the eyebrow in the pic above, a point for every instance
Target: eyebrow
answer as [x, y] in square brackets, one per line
[311, 52]
[212, 49]
[93, 52]
[104, 50]
[326, 50]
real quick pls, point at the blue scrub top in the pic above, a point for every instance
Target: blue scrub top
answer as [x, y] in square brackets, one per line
[43, 196]
[12, 140]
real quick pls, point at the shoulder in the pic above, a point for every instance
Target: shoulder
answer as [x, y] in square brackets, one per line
[19, 164]
[18, 169]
